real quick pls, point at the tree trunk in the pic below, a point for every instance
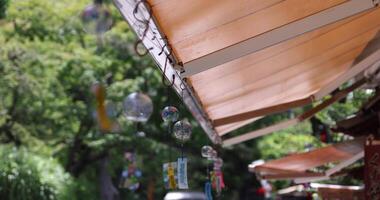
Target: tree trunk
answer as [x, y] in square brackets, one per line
[107, 189]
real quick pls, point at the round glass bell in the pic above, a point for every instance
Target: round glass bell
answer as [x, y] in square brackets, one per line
[138, 107]
[182, 130]
[213, 154]
[218, 163]
[207, 151]
[140, 134]
[96, 19]
[170, 114]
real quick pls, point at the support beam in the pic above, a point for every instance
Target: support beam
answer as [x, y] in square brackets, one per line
[306, 115]
[310, 179]
[337, 97]
[360, 67]
[371, 60]
[331, 171]
[261, 112]
[156, 44]
[345, 163]
[260, 132]
[276, 36]
[291, 176]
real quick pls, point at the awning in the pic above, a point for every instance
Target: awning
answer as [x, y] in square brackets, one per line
[326, 191]
[363, 123]
[248, 59]
[301, 167]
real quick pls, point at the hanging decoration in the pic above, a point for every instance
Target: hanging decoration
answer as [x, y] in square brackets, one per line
[208, 191]
[209, 153]
[217, 176]
[138, 107]
[182, 130]
[96, 18]
[182, 173]
[170, 114]
[169, 175]
[131, 174]
[105, 114]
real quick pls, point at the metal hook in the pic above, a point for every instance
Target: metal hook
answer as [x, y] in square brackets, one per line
[163, 49]
[171, 83]
[149, 9]
[164, 72]
[139, 42]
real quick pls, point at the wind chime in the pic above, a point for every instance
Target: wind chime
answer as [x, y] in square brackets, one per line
[138, 107]
[215, 176]
[175, 173]
[96, 20]
[131, 174]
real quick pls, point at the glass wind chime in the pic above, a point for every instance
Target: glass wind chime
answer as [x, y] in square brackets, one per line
[175, 173]
[131, 174]
[96, 20]
[215, 176]
[138, 107]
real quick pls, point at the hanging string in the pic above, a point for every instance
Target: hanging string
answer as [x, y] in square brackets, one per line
[182, 87]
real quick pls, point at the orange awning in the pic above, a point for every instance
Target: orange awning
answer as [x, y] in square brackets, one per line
[300, 166]
[244, 60]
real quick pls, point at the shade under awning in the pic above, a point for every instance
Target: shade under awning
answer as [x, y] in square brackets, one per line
[299, 166]
[244, 60]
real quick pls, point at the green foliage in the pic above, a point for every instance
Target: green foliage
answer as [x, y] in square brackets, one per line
[340, 111]
[25, 175]
[287, 141]
[3, 8]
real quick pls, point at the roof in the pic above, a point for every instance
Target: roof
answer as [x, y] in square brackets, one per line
[243, 61]
[299, 166]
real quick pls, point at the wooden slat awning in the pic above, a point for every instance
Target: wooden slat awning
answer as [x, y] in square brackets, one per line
[299, 166]
[244, 60]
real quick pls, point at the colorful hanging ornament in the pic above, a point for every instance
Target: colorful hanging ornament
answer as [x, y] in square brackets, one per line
[103, 113]
[217, 176]
[96, 19]
[170, 114]
[182, 130]
[182, 173]
[207, 152]
[138, 107]
[131, 175]
[218, 163]
[208, 191]
[169, 175]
